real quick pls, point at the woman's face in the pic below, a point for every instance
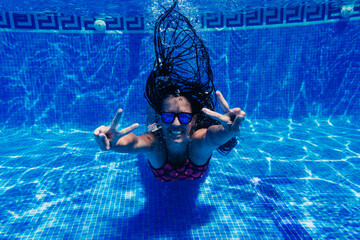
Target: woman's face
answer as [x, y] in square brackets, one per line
[176, 133]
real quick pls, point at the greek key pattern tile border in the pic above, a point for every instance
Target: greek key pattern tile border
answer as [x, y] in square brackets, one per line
[257, 18]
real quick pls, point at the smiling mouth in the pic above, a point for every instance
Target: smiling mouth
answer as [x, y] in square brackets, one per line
[176, 133]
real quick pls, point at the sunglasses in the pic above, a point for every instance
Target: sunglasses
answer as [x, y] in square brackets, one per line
[169, 117]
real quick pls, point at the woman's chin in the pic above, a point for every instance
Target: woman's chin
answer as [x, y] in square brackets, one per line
[176, 140]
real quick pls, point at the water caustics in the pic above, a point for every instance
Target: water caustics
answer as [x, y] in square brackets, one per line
[293, 175]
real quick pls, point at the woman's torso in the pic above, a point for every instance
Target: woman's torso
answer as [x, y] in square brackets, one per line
[168, 166]
[159, 155]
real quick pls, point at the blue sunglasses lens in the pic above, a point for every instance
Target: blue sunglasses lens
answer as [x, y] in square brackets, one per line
[185, 118]
[167, 117]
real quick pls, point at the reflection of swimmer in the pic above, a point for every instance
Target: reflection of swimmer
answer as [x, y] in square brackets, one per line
[185, 128]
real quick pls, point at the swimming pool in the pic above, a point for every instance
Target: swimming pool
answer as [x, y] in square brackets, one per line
[293, 175]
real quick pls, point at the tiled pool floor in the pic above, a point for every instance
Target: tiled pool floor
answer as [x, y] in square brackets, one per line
[283, 181]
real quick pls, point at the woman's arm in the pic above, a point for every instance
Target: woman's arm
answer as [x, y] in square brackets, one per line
[108, 138]
[131, 143]
[204, 141]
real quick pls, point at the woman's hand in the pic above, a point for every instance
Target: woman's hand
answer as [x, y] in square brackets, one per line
[231, 119]
[107, 137]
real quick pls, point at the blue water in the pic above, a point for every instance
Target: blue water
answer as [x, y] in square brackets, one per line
[293, 175]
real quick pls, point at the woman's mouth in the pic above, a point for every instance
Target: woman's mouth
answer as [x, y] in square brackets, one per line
[176, 132]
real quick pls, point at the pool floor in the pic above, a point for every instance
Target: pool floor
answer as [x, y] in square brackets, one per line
[284, 180]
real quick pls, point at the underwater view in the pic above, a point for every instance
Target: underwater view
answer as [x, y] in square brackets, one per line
[68, 66]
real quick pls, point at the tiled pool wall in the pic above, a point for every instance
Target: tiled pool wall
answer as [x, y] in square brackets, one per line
[53, 65]
[254, 18]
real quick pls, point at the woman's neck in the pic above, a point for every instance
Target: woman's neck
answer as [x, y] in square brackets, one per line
[177, 148]
[177, 154]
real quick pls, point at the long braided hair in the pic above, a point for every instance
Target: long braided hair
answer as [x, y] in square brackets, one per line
[182, 67]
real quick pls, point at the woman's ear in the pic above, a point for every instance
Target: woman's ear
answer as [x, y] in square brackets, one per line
[194, 118]
[193, 121]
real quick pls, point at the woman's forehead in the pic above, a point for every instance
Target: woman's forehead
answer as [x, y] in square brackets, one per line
[177, 102]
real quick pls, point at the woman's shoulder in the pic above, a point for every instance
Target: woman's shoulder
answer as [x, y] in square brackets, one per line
[199, 152]
[153, 140]
[157, 154]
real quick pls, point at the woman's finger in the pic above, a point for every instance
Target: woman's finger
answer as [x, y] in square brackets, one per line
[104, 142]
[128, 129]
[224, 105]
[217, 116]
[116, 119]
[237, 123]
[100, 130]
[97, 131]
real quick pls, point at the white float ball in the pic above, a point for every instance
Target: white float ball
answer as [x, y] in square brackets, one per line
[100, 25]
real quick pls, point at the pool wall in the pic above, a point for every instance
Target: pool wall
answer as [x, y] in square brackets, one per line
[290, 63]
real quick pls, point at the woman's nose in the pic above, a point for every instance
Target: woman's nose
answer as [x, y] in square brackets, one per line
[176, 122]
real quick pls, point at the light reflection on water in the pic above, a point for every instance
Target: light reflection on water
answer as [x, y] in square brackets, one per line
[301, 177]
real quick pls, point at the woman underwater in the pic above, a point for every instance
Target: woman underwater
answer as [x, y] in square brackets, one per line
[185, 128]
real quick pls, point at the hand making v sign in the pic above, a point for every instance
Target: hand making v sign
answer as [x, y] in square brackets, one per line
[107, 137]
[231, 119]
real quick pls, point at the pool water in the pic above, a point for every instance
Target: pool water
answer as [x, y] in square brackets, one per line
[293, 175]
[283, 181]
